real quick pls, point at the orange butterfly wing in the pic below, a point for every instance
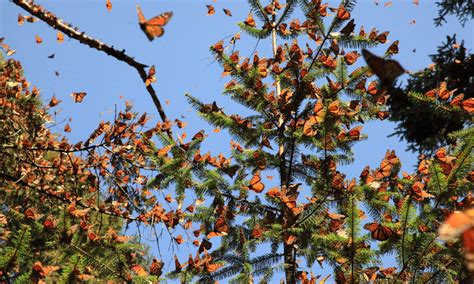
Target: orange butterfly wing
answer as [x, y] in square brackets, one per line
[78, 97]
[342, 13]
[153, 27]
[250, 21]
[256, 184]
[141, 17]
[153, 31]
[379, 232]
[385, 169]
[160, 20]
[221, 228]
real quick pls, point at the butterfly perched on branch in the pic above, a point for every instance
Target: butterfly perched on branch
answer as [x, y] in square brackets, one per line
[379, 232]
[154, 26]
[386, 69]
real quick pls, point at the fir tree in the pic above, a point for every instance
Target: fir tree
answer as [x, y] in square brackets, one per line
[303, 129]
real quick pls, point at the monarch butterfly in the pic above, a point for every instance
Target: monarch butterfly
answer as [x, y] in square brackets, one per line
[221, 228]
[205, 245]
[256, 184]
[78, 97]
[210, 10]
[50, 223]
[38, 39]
[460, 223]
[227, 12]
[153, 27]
[108, 5]
[156, 267]
[60, 37]
[379, 232]
[348, 29]
[388, 271]
[177, 264]
[342, 13]
[386, 69]
[250, 21]
[198, 136]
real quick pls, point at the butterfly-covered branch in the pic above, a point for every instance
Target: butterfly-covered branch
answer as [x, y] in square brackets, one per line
[63, 199]
[73, 32]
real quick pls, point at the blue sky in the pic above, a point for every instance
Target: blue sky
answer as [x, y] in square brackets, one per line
[184, 64]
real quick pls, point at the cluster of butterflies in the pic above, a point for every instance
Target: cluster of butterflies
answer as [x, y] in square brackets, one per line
[386, 69]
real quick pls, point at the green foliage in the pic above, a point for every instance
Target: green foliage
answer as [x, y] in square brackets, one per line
[426, 122]
[463, 10]
[43, 235]
[255, 32]
[67, 212]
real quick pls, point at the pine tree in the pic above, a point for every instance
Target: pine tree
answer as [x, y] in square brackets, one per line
[303, 129]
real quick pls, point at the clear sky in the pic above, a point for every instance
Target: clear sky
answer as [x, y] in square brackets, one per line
[184, 64]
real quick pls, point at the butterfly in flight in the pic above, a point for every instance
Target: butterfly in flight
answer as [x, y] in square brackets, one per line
[154, 26]
[386, 69]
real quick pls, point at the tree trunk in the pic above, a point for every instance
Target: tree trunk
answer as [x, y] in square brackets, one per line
[290, 264]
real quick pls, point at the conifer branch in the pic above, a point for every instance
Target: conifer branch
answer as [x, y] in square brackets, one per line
[315, 210]
[415, 270]
[457, 166]
[334, 23]
[59, 150]
[99, 263]
[352, 239]
[288, 255]
[262, 206]
[288, 9]
[438, 199]
[436, 273]
[63, 199]
[261, 12]
[12, 258]
[405, 223]
[73, 32]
